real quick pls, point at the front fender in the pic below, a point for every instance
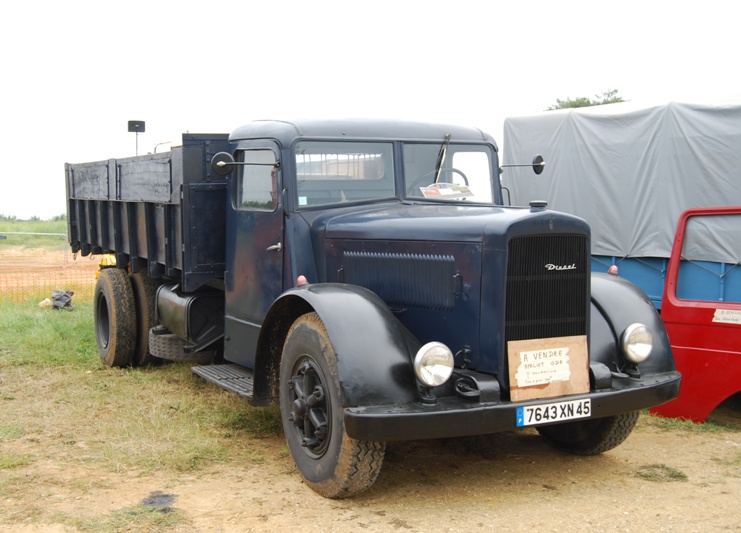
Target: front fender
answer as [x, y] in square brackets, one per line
[374, 350]
[617, 303]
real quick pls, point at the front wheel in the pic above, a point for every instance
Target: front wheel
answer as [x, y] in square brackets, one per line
[331, 463]
[590, 437]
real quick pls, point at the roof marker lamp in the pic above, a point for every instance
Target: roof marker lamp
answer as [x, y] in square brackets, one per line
[638, 342]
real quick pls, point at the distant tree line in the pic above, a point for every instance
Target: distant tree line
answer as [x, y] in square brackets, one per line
[607, 97]
[55, 218]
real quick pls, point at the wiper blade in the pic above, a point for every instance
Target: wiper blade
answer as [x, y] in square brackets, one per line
[441, 157]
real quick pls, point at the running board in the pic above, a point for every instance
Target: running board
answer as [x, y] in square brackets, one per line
[234, 378]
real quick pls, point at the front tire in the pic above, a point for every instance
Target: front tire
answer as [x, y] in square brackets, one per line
[114, 312]
[590, 437]
[331, 463]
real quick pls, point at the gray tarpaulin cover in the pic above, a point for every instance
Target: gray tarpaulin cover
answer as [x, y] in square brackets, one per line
[630, 172]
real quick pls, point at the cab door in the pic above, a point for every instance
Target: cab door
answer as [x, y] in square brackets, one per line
[701, 310]
[254, 247]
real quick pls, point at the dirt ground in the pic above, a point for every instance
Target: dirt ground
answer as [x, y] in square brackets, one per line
[508, 482]
[34, 272]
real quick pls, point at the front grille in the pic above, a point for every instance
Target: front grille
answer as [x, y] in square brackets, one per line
[547, 287]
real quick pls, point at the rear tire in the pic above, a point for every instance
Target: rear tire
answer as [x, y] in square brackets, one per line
[114, 313]
[145, 289]
[590, 437]
[331, 463]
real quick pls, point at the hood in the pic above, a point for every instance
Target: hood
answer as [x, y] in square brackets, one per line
[442, 222]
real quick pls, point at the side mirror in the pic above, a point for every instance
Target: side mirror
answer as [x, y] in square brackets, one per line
[538, 165]
[222, 163]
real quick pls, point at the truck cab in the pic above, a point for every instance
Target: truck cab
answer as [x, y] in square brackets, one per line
[377, 289]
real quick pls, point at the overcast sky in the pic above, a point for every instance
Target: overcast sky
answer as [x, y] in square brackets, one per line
[75, 73]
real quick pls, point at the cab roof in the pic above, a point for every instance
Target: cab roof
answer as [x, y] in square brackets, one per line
[286, 132]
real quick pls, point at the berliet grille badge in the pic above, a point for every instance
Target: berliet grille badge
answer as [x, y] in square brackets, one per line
[551, 266]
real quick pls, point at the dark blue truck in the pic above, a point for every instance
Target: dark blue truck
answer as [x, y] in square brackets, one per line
[366, 277]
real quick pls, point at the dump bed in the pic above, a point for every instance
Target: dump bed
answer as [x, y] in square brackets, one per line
[159, 213]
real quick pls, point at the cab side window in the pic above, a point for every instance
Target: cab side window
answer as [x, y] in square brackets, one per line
[711, 257]
[257, 181]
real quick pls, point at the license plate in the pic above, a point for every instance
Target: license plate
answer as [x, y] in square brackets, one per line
[553, 412]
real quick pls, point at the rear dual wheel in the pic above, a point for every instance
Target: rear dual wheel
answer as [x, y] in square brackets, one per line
[114, 312]
[331, 463]
[145, 289]
[123, 311]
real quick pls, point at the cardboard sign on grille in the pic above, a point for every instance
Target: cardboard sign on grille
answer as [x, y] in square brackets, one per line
[544, 368]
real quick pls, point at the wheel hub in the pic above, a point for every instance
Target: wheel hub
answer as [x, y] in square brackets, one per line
[309, 408]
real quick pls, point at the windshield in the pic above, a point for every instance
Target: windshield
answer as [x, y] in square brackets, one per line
[448, 172]
[335, 172]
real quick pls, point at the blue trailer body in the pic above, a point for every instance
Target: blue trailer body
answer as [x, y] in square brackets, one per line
[700, 280]
[648, 273]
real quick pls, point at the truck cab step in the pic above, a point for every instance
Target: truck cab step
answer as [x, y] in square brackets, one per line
[231, 377]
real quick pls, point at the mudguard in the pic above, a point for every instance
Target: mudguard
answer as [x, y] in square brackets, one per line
[374, 350]
[617, 303]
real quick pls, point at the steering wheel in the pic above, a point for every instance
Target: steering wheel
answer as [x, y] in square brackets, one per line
[449, 170]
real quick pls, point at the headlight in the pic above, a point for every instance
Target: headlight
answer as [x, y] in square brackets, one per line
[433, 364]
[637, 341]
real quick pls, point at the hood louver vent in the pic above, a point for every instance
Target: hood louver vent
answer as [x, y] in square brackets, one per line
[407, 280]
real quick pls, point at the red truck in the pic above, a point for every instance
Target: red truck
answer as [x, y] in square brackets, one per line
[701, 310]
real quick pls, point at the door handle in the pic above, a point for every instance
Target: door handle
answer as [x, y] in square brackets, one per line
[274, 248]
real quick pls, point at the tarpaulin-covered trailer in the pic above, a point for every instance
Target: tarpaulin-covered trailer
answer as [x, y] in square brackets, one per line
[630, 172]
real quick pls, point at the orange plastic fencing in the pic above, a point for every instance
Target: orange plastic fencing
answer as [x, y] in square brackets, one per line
[27, 273]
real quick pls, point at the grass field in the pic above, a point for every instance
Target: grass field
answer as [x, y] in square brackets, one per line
[58, 400]
[49, 234]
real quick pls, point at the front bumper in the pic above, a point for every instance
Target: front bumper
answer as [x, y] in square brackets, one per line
[457, 417]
